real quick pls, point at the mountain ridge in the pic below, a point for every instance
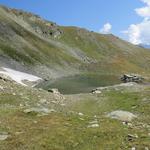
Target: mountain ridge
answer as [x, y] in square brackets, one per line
[56, 51]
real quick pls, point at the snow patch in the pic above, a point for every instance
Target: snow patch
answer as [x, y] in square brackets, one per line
[18, 76]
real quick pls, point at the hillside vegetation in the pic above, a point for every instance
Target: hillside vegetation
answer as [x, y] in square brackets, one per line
[44, 48]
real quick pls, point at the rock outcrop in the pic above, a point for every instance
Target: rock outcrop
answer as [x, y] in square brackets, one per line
[132, 78]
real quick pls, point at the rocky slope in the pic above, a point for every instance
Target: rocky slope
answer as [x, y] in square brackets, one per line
[34, 45]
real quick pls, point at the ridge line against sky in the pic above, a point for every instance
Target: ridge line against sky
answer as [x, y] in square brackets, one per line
[126, 19]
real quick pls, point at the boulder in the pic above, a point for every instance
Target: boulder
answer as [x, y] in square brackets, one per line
[93, 126]
[96, 91]
[80, 114]
[132, 78]
[55, 91]
[122, 115]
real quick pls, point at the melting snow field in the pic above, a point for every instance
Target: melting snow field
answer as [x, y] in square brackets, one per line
[18, 76]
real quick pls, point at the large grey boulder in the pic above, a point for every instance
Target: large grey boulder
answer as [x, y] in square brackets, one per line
[96, 91]
[132, 78]
[122, 115]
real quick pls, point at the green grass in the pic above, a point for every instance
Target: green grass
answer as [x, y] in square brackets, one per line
[14, 54]
[65, 130]
[112, 100]
[9, 99]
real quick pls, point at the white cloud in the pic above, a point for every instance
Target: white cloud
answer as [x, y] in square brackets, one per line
[140, 33]
[146, 1]
[143, 12]
[106, 28]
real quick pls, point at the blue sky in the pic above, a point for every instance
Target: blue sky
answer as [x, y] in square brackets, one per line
[90, 14]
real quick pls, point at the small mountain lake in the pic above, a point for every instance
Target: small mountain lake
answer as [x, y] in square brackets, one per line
[80, 83]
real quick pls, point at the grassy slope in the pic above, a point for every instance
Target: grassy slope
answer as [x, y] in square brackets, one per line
[110, 52]
[65, 129]
[35, 50]
[77, 48]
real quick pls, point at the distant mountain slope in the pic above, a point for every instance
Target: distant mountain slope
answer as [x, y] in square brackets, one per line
[40, 47]
[145, 46]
